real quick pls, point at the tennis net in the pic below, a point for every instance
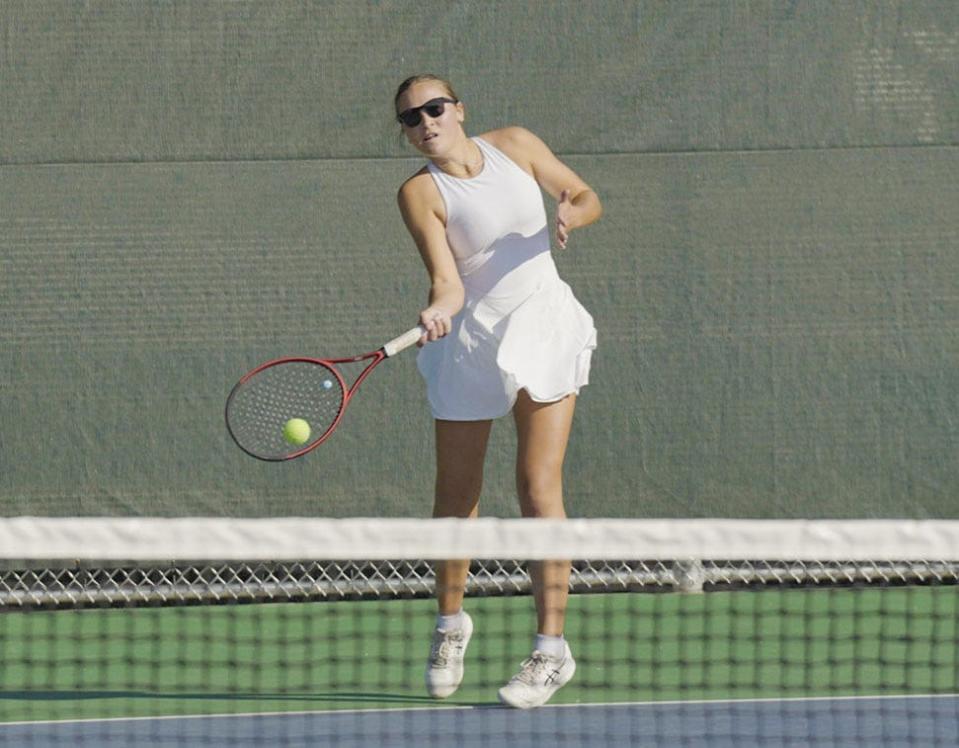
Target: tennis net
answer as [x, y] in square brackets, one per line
[317, 632]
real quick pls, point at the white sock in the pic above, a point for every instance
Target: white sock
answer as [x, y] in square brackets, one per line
[551, 646]
[450, 623]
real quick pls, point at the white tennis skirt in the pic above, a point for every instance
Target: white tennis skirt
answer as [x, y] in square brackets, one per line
[497, 347]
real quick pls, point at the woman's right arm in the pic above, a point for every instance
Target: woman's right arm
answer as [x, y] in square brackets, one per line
[423, 212]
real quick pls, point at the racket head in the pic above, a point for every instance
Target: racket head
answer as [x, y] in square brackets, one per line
[262, 402]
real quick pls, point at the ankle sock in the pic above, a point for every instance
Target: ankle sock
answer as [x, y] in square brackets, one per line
[451, 622]
[552, 646]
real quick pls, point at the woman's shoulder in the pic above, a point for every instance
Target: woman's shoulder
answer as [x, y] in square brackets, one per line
[416, 182]
[512, 136]
[419, 192]
[521, 145]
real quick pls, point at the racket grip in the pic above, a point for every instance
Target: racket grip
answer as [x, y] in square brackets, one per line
[404, 341]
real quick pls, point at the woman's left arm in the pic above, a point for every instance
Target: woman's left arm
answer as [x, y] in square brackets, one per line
[577, 204]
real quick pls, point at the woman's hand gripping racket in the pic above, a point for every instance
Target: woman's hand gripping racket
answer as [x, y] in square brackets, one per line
[288, 407]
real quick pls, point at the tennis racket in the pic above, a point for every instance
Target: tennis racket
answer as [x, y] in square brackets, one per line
[312, 389]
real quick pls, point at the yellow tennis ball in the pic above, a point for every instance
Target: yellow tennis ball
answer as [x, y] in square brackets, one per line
[296, 431]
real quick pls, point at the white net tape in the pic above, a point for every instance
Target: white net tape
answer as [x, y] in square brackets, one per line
[710, 555]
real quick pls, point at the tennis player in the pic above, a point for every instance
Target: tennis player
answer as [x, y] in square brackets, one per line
[504, 334]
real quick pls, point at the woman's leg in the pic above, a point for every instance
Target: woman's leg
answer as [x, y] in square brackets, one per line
[543, 431]
[542, 434]
[460, 454]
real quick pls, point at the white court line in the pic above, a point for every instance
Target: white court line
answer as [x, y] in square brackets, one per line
[452, 708]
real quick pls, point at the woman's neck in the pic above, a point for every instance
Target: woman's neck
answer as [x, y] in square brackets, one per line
[464, 161]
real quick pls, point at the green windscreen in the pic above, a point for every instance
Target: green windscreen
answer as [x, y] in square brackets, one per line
[189, 189]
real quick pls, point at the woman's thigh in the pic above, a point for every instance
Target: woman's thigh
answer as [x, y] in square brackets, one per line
[542, 431]
[460, 455]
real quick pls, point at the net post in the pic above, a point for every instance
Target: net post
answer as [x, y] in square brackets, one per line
[689, 575]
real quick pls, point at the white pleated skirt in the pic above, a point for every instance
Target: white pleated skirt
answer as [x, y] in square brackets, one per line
[542, 343]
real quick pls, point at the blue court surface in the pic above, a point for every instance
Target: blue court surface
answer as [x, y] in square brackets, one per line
[872, 721]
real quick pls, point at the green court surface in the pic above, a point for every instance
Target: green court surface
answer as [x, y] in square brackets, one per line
[781, 643]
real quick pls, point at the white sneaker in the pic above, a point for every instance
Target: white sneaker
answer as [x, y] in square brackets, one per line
[539, 678]
[444, 671]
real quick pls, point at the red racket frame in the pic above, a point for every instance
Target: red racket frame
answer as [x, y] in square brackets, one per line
[378, 356]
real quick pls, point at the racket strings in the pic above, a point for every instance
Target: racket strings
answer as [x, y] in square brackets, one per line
[260, 407]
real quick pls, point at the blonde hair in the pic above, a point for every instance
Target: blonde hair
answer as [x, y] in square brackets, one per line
[423, 78]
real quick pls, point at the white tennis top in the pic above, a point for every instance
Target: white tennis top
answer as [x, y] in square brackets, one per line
[520, 327]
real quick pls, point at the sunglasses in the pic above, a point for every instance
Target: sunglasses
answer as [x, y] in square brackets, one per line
[434, 108]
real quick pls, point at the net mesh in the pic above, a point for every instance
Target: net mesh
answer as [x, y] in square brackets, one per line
[844, 634]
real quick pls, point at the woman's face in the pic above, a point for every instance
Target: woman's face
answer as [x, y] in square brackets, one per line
[432, 136]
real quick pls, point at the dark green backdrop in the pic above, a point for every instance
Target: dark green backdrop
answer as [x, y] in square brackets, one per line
[187, 188]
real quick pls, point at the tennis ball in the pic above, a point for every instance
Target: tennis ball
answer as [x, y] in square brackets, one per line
[296, 431]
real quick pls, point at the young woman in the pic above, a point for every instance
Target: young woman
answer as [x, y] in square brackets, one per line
[504, 334]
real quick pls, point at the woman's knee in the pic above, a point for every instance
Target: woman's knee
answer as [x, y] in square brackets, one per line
[540, 493]
[457, 494]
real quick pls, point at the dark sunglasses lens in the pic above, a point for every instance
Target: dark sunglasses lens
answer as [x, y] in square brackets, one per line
[411, 117]
[434, 108]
